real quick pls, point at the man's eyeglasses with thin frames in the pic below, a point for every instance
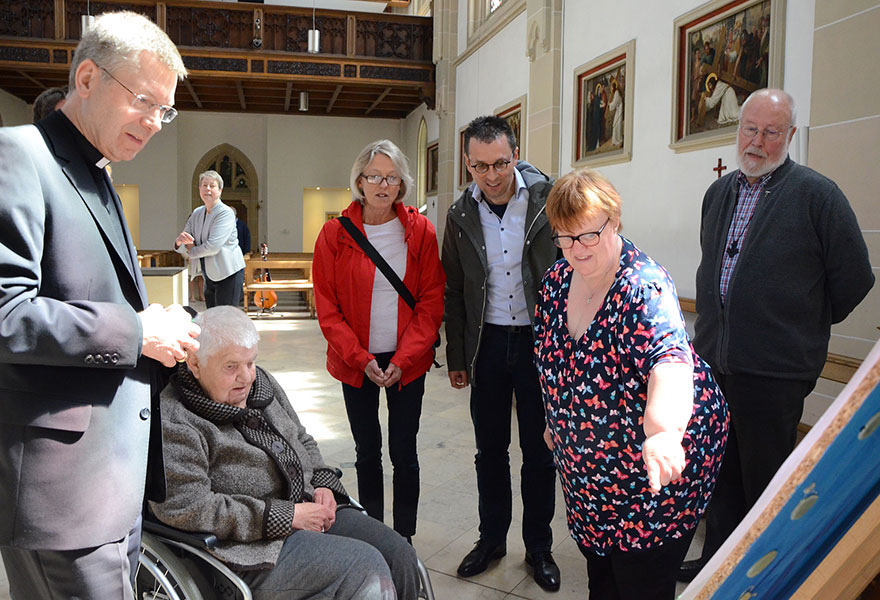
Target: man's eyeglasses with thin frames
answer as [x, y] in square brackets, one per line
[143, 104]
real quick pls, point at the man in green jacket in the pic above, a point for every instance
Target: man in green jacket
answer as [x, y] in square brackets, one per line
[496, 249]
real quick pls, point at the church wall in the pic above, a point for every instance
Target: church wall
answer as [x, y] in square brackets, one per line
[14, 111]
[844, 129]
[310, 152]
[411, 147]
[202, 132]
[494, 75]
[662, 190]
[155, 171]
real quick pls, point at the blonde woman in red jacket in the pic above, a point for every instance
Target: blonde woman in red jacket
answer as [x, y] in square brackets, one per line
[374, 339]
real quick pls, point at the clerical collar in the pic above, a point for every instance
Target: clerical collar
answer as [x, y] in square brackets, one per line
[92, 155]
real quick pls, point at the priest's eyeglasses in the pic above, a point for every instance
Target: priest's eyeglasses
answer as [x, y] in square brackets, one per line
[770, 135]
[498, 165]
[391, 180]
[587, 239]
[143, 104]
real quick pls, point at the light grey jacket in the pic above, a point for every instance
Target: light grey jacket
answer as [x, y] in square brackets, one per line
[219, 483]
[216, 241]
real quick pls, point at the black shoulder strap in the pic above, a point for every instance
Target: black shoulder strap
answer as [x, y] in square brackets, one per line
[377, 259]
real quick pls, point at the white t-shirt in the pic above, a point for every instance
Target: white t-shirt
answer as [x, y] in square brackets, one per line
[388, 240]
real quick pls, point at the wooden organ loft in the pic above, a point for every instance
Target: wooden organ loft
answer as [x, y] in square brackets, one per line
[242, 57]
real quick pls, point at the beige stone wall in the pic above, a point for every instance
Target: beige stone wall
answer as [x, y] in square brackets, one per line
[843, 138]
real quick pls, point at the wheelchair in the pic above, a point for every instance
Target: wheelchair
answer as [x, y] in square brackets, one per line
[177, 565]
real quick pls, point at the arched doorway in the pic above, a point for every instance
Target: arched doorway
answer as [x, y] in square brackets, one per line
[240, 185]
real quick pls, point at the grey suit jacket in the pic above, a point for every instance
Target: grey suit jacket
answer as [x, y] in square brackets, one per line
[216, 241]
[74, 391]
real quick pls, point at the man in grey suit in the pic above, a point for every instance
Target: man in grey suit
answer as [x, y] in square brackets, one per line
[78, 344]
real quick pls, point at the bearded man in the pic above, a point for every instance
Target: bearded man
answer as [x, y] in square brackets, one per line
[783, 258]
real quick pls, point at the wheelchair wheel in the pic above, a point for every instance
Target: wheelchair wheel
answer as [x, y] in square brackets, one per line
[161, 575]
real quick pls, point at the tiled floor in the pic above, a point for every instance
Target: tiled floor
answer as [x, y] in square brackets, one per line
[294, 351]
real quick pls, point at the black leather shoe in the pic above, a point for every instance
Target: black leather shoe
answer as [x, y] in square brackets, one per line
[689, 569]
[546, 573]
[478, 559]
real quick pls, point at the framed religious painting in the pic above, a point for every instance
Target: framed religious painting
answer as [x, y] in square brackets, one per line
[603, 101]
[723, 51]
[464, 176]
[515, 113]
[433, 167]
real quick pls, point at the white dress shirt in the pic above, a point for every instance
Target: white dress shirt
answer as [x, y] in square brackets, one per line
[505, 238]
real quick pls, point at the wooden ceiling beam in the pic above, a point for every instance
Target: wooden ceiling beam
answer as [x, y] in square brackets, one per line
[378, 100]
[33, 80]
[287, 94]
[240, 89]
[192, 92]
[333, 99]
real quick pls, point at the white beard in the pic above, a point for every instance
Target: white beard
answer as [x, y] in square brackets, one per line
[766, 168]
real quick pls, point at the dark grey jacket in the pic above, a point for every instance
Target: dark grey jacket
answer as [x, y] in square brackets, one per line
[74, 390]
[803, 266]
[467, 267]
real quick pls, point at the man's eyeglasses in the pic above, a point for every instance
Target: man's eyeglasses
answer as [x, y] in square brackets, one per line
[770, 135]
[143, 104]
[498, 165]
[391, 180]
[587, 240]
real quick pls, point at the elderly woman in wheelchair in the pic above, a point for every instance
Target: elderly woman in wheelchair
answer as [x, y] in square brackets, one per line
[240, 464]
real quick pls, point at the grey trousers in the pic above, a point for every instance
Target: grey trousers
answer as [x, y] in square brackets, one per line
[101, 573]
[358, 558]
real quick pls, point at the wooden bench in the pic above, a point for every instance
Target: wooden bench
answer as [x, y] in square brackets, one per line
[255, 268]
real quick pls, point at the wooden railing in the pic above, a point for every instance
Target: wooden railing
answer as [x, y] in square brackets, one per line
[266, 28]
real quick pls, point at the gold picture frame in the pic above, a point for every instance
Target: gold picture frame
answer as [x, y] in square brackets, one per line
[723, 51]
[603, 101]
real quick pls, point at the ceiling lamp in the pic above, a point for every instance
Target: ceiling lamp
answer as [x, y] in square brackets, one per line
[314, 35]
[304, 101]
[86, 20]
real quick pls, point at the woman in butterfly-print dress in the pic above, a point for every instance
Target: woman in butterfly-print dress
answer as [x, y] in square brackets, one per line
[635, 419]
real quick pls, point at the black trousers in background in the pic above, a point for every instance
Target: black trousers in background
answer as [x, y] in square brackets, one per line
[226, 292]
[404, 411]
[505, 366]
[764, 416]
[637, 574]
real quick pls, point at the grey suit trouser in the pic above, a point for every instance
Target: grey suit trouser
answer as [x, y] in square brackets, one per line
[102, 573]
[358, 558]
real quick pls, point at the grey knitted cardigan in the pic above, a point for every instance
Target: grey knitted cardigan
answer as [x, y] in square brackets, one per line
[222, 483]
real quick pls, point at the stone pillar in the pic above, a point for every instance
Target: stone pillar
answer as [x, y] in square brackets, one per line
[544, 104]
[445, 53]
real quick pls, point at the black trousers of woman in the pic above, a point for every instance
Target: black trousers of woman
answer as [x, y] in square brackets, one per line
[226, 292]
[404, 411]
[637, 574]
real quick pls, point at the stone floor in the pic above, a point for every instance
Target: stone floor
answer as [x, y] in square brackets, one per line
[294, 351]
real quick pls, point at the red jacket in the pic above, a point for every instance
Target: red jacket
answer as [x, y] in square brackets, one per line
[343, 278]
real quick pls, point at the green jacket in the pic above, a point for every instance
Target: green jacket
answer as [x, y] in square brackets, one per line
[467, 267]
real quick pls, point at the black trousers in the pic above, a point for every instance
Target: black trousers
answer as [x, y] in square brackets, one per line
[226, 292]
[764, 416]
[404, 411]
[505, 366]
[637, 574]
